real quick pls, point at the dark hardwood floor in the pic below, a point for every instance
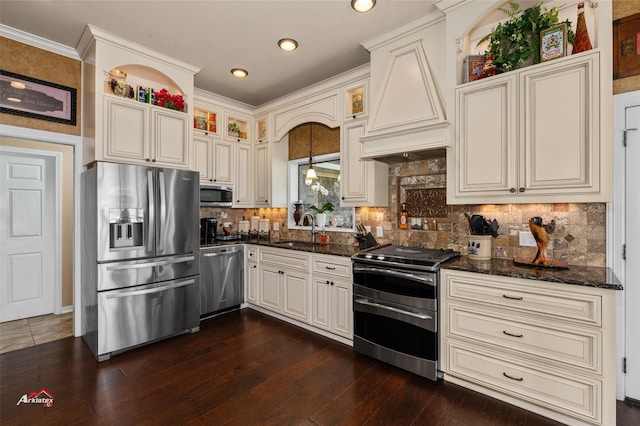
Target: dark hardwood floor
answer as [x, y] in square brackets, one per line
[241, 368]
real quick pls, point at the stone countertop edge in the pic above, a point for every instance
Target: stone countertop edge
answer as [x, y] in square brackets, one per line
[589, 276]
[343, 250]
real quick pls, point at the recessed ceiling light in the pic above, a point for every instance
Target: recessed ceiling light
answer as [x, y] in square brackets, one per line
[287, 44]
[362, 5]
[239, 72]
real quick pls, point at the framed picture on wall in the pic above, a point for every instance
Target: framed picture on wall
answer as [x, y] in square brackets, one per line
[553, 42]
[30, 97]
[626, 46]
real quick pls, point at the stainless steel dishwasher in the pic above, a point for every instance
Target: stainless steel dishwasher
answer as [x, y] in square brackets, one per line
[221, 279]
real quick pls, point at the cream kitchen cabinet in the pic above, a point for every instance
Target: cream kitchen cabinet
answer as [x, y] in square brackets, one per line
[262, 174]
[546, 347]
[531, 135]
[284, 283]
[213, 158]
[242, 190]
[363, 182]
[140, 133]
[332, 295]
[251, 289]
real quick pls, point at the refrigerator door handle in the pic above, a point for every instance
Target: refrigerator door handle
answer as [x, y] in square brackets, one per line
[149, 264]
[163, 210]
[150, 290]
[151, 209]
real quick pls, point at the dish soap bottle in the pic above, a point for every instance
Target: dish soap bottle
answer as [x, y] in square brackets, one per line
[404, 217]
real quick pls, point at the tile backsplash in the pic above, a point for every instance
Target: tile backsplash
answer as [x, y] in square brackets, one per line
[579, 237]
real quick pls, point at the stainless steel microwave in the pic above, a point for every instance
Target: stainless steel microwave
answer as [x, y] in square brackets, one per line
[216, 196]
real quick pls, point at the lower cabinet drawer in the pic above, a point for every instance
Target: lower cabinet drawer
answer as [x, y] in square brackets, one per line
[573, 346]
[572, 395]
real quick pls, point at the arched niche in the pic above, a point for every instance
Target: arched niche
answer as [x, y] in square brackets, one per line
[144, 76]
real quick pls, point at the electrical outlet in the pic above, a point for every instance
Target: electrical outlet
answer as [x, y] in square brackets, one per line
[526, 239]
[379, 231]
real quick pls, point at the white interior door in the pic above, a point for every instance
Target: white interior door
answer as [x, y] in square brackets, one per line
[632, 263]
[27, 235]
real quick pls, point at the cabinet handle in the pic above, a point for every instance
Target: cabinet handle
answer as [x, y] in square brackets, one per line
[521, 189]
[331, 268]
[517, 379]
[512, 335]
[512, 190]
[511, 297]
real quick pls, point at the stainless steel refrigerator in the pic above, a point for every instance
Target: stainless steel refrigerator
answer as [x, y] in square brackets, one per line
[140, 246]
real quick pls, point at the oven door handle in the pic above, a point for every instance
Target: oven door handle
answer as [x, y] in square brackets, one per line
[390, 272]
[392, 309]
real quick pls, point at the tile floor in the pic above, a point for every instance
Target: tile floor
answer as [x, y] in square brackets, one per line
[34, 331]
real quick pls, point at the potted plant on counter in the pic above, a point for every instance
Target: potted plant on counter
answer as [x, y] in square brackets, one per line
[321, 216]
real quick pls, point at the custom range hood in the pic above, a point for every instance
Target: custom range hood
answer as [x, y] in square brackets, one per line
[406, 115]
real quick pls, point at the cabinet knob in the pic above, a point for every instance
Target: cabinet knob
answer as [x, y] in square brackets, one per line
[210, 180]
[327, 281]
[153, 161]
[331, 282]
[148, 160]
[342, 198]
[512, 190]
[521, 189]
[254, 266]
[266, 201]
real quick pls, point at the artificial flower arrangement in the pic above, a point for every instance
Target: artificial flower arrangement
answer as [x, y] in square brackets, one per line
[165, 99]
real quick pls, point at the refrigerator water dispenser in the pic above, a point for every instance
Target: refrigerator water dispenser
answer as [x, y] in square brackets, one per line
[126, 228]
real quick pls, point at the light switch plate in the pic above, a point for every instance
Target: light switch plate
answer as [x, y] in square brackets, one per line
[526, 239]
[379, 231]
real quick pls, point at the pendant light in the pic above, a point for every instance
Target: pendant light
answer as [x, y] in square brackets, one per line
[311, 173]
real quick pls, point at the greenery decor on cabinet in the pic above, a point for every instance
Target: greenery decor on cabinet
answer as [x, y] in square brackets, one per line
[515, 43]
[234, 129]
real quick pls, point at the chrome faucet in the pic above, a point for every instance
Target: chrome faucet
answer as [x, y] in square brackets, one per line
[313, 227]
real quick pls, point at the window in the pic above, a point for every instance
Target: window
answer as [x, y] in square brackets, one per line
[317, 192]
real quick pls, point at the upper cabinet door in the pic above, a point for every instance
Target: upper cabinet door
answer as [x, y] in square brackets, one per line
[171, 137]
[224, 162]
[202, 157]
[126, 126]
[486, 128]
[362, 182]
[560, 128]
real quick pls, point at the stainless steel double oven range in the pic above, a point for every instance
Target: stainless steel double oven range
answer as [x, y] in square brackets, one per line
[395, 306]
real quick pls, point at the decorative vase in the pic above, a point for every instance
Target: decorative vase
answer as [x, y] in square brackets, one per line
[581, 43]
[297, 213]
[321, 220]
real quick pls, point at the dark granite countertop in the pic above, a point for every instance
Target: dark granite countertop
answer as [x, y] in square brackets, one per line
[332, 249]
[577, 275]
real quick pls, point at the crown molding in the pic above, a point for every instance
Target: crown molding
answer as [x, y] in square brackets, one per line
[37, 41]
